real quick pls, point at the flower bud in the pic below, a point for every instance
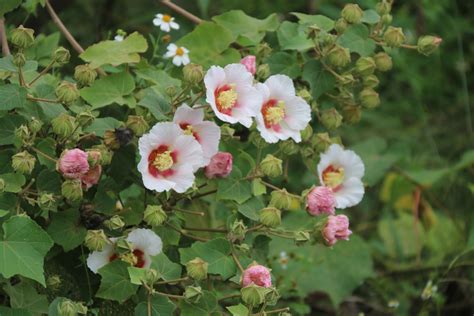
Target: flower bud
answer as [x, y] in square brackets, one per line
[263, 71]
[237, 230]
[193, 294]
[171, 91]
[369, 98]
[85, 118]
[93, 158]
[138, 124]
[321, 200]
[67, 308]
[220, 165]
[336, 228]
[193, 73]
[105, 154]
[328, 39]
[63, 125]
[304, 93]
[307, 133]
[22, 37]
[387, 19]
[53, 282]
[35, 125]
[67, 92]
[352, 13]
[61, 56]
[383, 7]
[95, 240]
[22, 132]
[365, 66]
[270, 216]
[151, 276]
[339, 56]
[253, 295]
[227, 131]
[383, 61]
[288, 147]
[370, 81]
[2, 185]
[197, 268]
[249, 62]
[84, 75]
[115, 222]
[346, 79]
[428, 44]
[331, 119]
[313, 31]
[271, 166]
[166, 38]
[23, 162]
[321, 142]
[351, 114]
[154, 215]
[394, 36]
[72, 189]
[46, 201]
[302, 237]
[19, 60]
[257, 140]
[340, 26]
[263, 50]
[281, 199]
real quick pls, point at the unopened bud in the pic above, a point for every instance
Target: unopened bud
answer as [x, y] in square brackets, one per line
[394, 36]
[383, 7]
[84, 75]
[46, 201]
[307, 133]
[387, 19]
[22, 132]
[72, 189]
[383, 61]
[369, 98]
[61, 56]
[257, 140]
[365, 66]
[193, 294]
[280, 199]
[154, 215]
[288, 147]
[85, 118]
[227, 131]
[35, 125]
[339, 56]
[22, 37]
[340, 26]
[105, 154]
[95, 240]
[67, 308]
[253, 295]
[166, 38]
[137, 124]
[151, 276]
[270, 216]
[271, 166]
[304, 93]
[197, 268]
[237, 230]
[331, 118]
[351, 114]
[19, 59]
[313, 31]
[352, 13]
[302, 237]
[115, 222]
[23, 162]
[321, 142]
[170, 91]
[67, 92]
[53, 282]
[428, 44]
[193, 73]
[371, 81]
[346, 79]
[263, 71]
[328, 39]
[263, 50]
[63, 125]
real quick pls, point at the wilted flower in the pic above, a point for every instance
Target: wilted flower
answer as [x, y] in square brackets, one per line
[180, 55]
[250, 63]
[92, 177]
[73, 163]
[165, 22]
[258, 275]
[321, 200]
[220, 165]
[336, 228]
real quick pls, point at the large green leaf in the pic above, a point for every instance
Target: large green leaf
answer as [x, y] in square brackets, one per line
[8, 5]
[356, 39]
[206, 306]
[100, 125]
[292, 36]
[12, 96]
[108, 90]
[115, 284]
[215, 252]
[324, 23]
[23, 248]
[23, 295]
[8, 124]
[116, 53]
[168, 269]
[156, 103]
[285, 64]
[160, 306]
[251, 208]
[67, 223]
[319, 79]
[234, 188]
[13, 182]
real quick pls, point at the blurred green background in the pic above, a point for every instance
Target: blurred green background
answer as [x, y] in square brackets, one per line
[417, 218]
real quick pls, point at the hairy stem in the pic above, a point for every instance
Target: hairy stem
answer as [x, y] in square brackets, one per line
[176, 8]
[3, 36]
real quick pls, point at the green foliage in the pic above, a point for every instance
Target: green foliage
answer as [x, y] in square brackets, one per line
[115, 284]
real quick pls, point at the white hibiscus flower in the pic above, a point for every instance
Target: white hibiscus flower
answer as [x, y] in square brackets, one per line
[180, 55]
[165, 22]
[342, 171]
[231, 94]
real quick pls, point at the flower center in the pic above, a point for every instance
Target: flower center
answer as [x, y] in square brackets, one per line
[273, 112]
[188, 130]
[163, 161]
[136, 258]
[179, 51]
[226, 98]
[166, 18]
[333, 177]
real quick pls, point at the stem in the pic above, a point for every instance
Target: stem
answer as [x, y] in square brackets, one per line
[251, 229]
[41, 99]
[87, 275]
[3, 36]
[27, 187]
[181, 11]
[212, 230]
[43, 154]
[184, 233]
[172, 281]
[169, 295]
[199, 95]
[236, 259]
[286, 309]
[148, 304]
[43, 72]
[203, 194]
[20, 77]
[229, 296]
[188, 212]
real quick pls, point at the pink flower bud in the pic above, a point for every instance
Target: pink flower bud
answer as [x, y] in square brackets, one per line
[73, 163]
[220, 165]
[91, 177]
[249, 63]
[336, 228]
[321, 200]
[258, 275]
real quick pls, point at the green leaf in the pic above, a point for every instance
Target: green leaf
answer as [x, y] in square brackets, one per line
[115, 284]
[100, 125]
[206, 306]
[324, 23]
[108, 90]
[216, 50]
[42, 48]
[291, 36]
[5, 311]
[12, 96]
[215, 252]
[251, 208]
[168, 269]
[319, 79]
[13, 182]
[23, 295]
[284, 63]
[238, 310]
[160, 306]
[116, 53]
[356, 39]
[247, 30]
[49, 181]
[67, 223]
[234, 188]
[47, 146]
[160, 79]
[156, 103]
[137, 275]
[8, 5]
[8, 124]
[370, 17]
[23, 248]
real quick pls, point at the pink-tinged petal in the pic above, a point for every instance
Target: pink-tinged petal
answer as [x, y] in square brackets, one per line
[73, 163]
[220, 165]
[321, 200]
[258, 275]
[250, 63]
[185, 114]
[336, 228]
[280, 87]
[350, 193]
[92, 177]
[209, 136]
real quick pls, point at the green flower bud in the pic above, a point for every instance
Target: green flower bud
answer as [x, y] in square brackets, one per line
[137, 124]
[281, 199]
[96, 240]
[227, 131]
[171, 91]
[288, 147]
[351, 114]
[105, 154]
[46, 201]
[428, 44]
[263, 50]
[2, 185]
[197, 269]
[321, 142]
[304, 93]
[23, 133]
[253, 295]
[193, 294]
[237, 230]
[365, 66]
[72, 189]
[369, 98]
[61, 56]
[387, 19]
[53, 282]
[193, 73]
[313, 31]
[383, 7]
[151, 276]
[22, 37]
[271, 166]
[154, 215]
[331, 118]
[85, 75]
[307, 152]
[115, 222]
[341, 26]
[352, 13]
[301, 237]
[394, 36]
[67, 92]
[63, 125]
[123, 245]
[23, 162]
[35, 125]
[19, 60]
[371, 81]
[339, 56]
[307, 133]
[328, 39]
[85, 118]
[257, 140]
[67, 308]
[270, 216]
[263, 71]
[383, 61]
[346, 79]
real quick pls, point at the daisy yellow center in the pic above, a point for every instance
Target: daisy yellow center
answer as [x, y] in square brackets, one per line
[166, 18]
[163, 161]
[179, 51]
[333, 177]
[227, 98]
[275, 114]
[188, 130]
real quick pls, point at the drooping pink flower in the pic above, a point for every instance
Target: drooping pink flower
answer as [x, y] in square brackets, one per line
[336, 228]
[73, 163]
[92, 177]
[220, 165]
[258, 275]
[321, 200]
[249, 63]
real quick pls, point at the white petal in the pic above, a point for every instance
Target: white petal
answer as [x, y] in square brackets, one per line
[185, 114]
[157, 184]
[238, 74]
[98, 259]
[159, 15]
[264, 92]
[183, 178]
[145, 240]
[186, 59]
[352, 164]
[297, 113]
[177, 60]
[280, 87]
[157, 21]
[209, 136]
[169, 54]
[350, 193]
[249, 100]
[174, 25]
[329, 157]
[172, 48]
[165, 27]
[189, 152]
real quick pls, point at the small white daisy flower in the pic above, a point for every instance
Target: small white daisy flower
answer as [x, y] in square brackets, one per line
[342, 171]
[118, 38]
[283, 115]
[145, 244]
[207, 133]
[231, 94]
[180, 54]
[165, 22]
[169, 158]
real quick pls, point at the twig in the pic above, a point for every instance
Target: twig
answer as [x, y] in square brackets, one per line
[229, 296]
[43, 154]
[169, 295]
[43, 72]
[286, 309]
[172, 281]
[3, 36]
[188, 212]
[212, 230]
[237, 262]
[184, 233]
[41, 99]
[176, 8]
[203, 194]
